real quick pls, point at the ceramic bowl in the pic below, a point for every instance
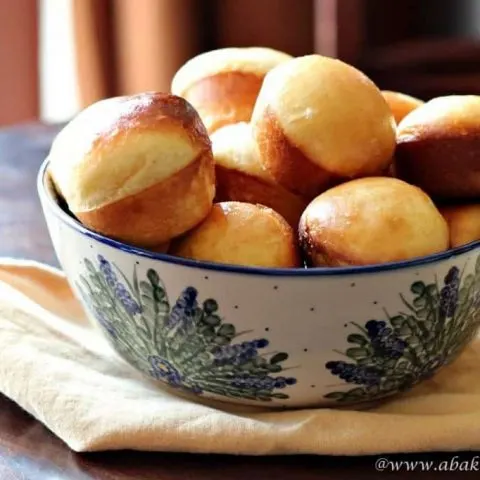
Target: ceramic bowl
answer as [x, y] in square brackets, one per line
[275, 337]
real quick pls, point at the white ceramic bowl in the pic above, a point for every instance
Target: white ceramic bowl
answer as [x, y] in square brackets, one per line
[297, 337]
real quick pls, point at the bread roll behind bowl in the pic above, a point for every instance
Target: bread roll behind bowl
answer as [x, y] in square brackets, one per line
[438, 147]
[137, 168]
[318, 122]
[400, 104]
[241, 177]
[239, 233]
[223, 84]
[370, 221]
[463, 223]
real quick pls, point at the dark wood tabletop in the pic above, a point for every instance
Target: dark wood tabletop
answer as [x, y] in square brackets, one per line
[28, 451]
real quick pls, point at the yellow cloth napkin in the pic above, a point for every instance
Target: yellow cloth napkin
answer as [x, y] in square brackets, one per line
[58, 368]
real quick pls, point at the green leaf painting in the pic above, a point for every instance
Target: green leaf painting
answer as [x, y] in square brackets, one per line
[393, 353]
[187, 345]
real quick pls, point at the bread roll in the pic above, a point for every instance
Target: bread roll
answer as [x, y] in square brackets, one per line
[241, 177]
[223, 84]
[241, 234]
[138, 168]
[400, 104]
[438, 147]
[463, 223]
[319, 121]
[370, 221]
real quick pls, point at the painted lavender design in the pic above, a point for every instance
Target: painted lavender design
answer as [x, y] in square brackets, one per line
[394, 353]
[188, 345]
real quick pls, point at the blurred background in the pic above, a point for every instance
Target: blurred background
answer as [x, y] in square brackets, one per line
[58, 56]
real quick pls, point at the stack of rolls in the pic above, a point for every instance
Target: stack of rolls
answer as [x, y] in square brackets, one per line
[261, 159]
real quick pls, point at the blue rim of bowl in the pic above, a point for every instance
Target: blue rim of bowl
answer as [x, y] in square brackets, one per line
[273, 272]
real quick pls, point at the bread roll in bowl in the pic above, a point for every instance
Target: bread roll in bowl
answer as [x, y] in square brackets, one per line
[223, 84]
[239, 233]
[463, 223]
[400, 104]
[241, 177]
[370, 221]
[319, 121]
[438, 147]
[138, 168]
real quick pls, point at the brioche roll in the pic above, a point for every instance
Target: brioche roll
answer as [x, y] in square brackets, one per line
[319, 121]
[463, 223]
[400, 104]
[241, 177]
[438, 147]
[223, 84]
[138, 169]
[370, 221]
[239, 233]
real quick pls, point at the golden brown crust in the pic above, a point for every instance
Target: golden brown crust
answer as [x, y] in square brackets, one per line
[445, 168]
[137, 168]
[450, 116]
[463, 222]
[151, 111]
[317, 121]
[438, 147]
[400, 104]
[223, 84]
[225, 98]
[233, 185]
[234, 149]
[241, 177]
[119, 146]
[161, 212]
[239, 233]
[286, 163]
[370, 221]
[251, 60]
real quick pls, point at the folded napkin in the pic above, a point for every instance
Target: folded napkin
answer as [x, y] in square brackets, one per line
[59, 369]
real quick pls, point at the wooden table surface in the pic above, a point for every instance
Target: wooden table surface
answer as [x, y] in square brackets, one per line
[29, 451]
